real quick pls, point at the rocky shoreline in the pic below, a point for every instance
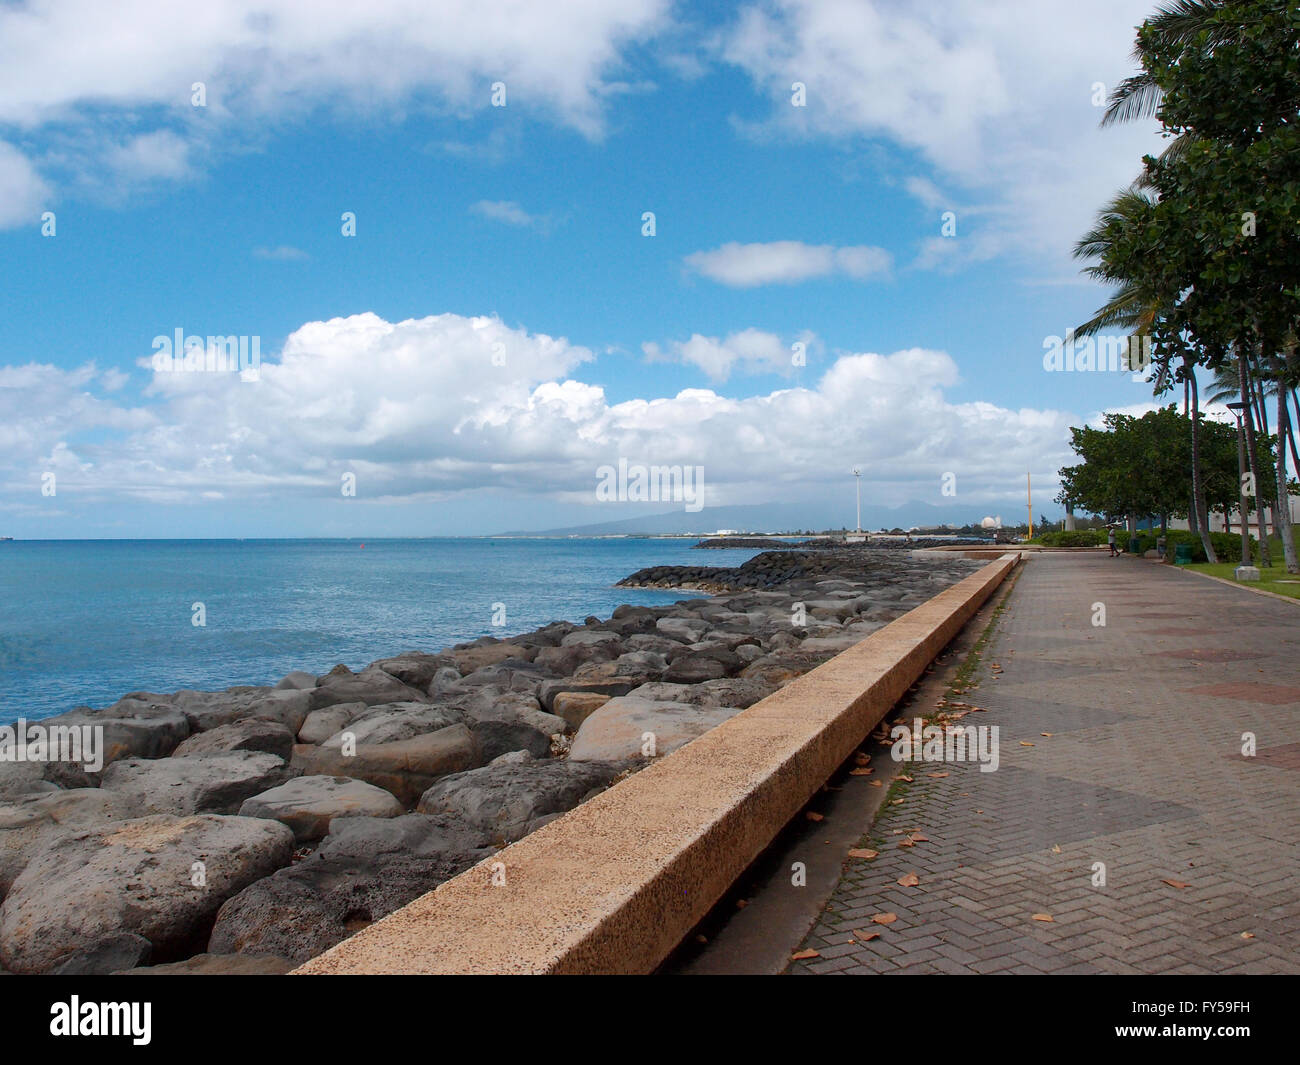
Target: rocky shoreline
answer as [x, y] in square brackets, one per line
[250, 829]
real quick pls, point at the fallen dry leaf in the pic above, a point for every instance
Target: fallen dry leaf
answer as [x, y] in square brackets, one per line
[1025, 743]
[861, 772]
[862, 759]
[896, 802]
[884, 918]
[906, 843]
[1174, 884]
[920, 837]
[909, 880]
[863, 852]
[904, 777]
[1247, 935]
[812, 816]
[1044, 917]
[1046, 734]
[804, 955]
[875, 783]
[865, 937]
[937, 774]
[1056, 848]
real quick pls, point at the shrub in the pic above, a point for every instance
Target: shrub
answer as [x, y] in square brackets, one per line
[1227, 546]
[1072, 538]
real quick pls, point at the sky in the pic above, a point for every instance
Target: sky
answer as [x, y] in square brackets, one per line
[485, 251]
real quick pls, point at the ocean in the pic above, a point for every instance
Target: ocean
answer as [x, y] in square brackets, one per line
[82, 622]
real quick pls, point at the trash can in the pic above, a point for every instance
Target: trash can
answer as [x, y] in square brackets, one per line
[1133, 545]
[1182, 554]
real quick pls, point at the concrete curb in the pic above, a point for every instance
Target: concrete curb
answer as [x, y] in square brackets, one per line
[615, 884]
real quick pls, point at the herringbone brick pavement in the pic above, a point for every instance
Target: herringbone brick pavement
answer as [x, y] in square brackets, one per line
[1120, 753]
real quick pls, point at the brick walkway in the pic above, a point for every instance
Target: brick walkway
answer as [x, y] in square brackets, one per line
[1142, 772]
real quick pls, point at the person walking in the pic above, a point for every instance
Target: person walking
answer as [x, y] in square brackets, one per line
[1110, 540]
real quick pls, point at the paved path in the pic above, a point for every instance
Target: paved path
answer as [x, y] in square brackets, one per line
[1142, 771]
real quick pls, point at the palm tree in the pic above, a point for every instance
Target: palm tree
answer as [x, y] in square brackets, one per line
[1134, 307]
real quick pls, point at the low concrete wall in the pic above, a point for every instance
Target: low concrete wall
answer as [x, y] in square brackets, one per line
[614, 885]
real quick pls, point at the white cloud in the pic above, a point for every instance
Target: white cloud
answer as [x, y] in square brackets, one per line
[509, 212]
[22, 192]
[997, 98]
[434, 407]
[750, 350]
[110, 84]
[787, 262]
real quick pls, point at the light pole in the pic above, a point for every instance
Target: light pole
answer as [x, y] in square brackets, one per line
[1246, 560]
[857, 480]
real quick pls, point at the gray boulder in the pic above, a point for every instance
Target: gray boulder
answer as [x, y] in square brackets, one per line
[30, 825]
[371, 686]
[362, 871]
[321, 724]
[251, 734]
[135, 877]
[508, 800]
[618, 729]
[308, 805]
[202, 783]
[391, 722]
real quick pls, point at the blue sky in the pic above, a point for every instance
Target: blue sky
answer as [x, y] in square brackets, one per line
[774, 224]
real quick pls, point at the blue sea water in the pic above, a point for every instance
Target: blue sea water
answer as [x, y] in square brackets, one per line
[82, 622]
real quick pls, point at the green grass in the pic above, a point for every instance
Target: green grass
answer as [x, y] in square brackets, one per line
[1274, 579]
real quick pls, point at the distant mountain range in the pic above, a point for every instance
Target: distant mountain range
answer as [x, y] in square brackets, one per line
[767, 518]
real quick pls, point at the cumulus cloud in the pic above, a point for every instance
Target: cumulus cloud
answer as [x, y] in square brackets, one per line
[111, 84]
[749, 350]
[445, 405]
[22, 191]
[510, 213]
[985, 93]
[787, 262]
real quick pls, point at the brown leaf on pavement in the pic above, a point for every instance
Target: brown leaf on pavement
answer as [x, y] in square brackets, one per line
[861, 772]
[884, 918]
[1174, 884]
[1044, 917]
[865, 937]
[863, 852]
[909, 880]
[813, 816]
[804, 955]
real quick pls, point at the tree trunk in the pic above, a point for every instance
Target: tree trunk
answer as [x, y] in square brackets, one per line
[1283, 498]
[1199, 518]
[1261, 408]
[1290, 437]
[1248, 416]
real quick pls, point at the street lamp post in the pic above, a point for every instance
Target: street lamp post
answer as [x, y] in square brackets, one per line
[857, 479]
[1246, 571]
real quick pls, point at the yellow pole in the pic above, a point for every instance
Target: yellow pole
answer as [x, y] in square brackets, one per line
[1029, 494]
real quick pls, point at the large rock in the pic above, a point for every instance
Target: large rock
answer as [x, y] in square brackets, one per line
[495, 738]
[202, 783]
[696, 669]
[389, 723]
[687, 630]
[251, 734]
[468, 659]
[209, 710]
[517, 708]
[133, 727]
[323, 723]
[405, 768]
[308, 805]
[30, 825]
[618, 729]
[18, 779]
[371, 686]
[576, 707]
[134, 877]
[610, 686]
[363, 870]
[298, 679]
[415, 668]
[509, 800]
[740, 692]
